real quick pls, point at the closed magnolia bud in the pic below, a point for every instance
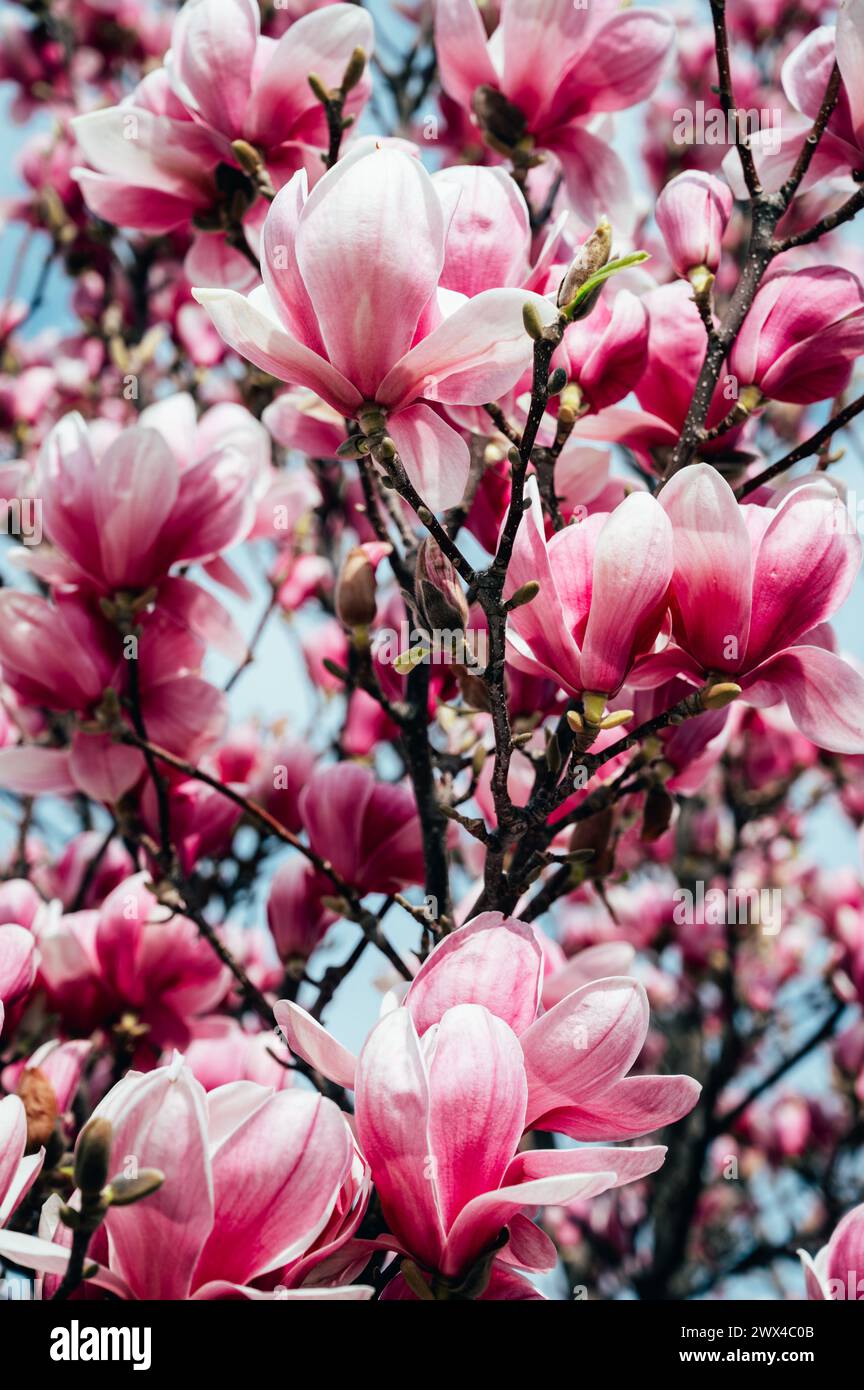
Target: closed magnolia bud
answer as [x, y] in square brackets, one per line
[591, 257]
[692, 213]
[93, 1155]
[439, 594]
[247, 156]
[296, 913]
[122, 1192]
[354, 71]
[355, 590]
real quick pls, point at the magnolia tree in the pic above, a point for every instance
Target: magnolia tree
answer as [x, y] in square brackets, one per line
[520, 413]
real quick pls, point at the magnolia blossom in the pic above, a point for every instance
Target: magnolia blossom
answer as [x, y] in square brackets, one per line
[17, 1172]
[18, 960]
[805, 75]
[837, 1272]
[164, 158]
[369, 830]
[131, 959]
[692, 213]
[370, 238]
[439, 1120]
[260, 1187]
[162, 495]
[750, 605]
[576, 1055]
[800, 339]
[64, 656]
[603, 593]
[549, 69]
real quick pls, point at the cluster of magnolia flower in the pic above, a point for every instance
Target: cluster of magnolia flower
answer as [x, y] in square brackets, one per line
[389, 369]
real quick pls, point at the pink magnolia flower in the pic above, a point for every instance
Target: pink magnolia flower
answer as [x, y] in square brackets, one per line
[805, 76]
[350, 309]
[576, 1055]
[131, 957]
[19, 902]
[802, 335]
[202, 819]
[164, 156]
[165, 494]
[488, 238]
[259, 1186]
[837, 1272]
[295, 915]
[63, 655]
[692, 213]
[17, 1172]
[221, 1050]
[749, 608]
[664, 390]
[368, 830]
[557, 65]
[64, 878]
[606, 353]
[439, 1120]
[603, 593]
[18, 961]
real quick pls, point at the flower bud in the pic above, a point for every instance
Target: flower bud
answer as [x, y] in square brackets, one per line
[247, 156]
[122, 1192]
[532, 321]
[354, 71]
[719, 695]
[591, 256]
[93, 1155]
[526, 593]
[593, 706]
[439, 594]
[692, 213]
[355, 590]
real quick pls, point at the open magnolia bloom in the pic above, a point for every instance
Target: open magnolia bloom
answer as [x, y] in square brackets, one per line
[165, 157]
[576, 1055]
[603, 594]
[837, 1272]
[439, 1120]
[548, 70]
[752, 588]
[17, 1172]
[351, 308]
[258, 1188]
[448, 1081]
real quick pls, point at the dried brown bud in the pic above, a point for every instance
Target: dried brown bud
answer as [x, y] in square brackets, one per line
[355, 590]
[595, 833]
[657, 814]
[474, 690]
[40, 1103]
